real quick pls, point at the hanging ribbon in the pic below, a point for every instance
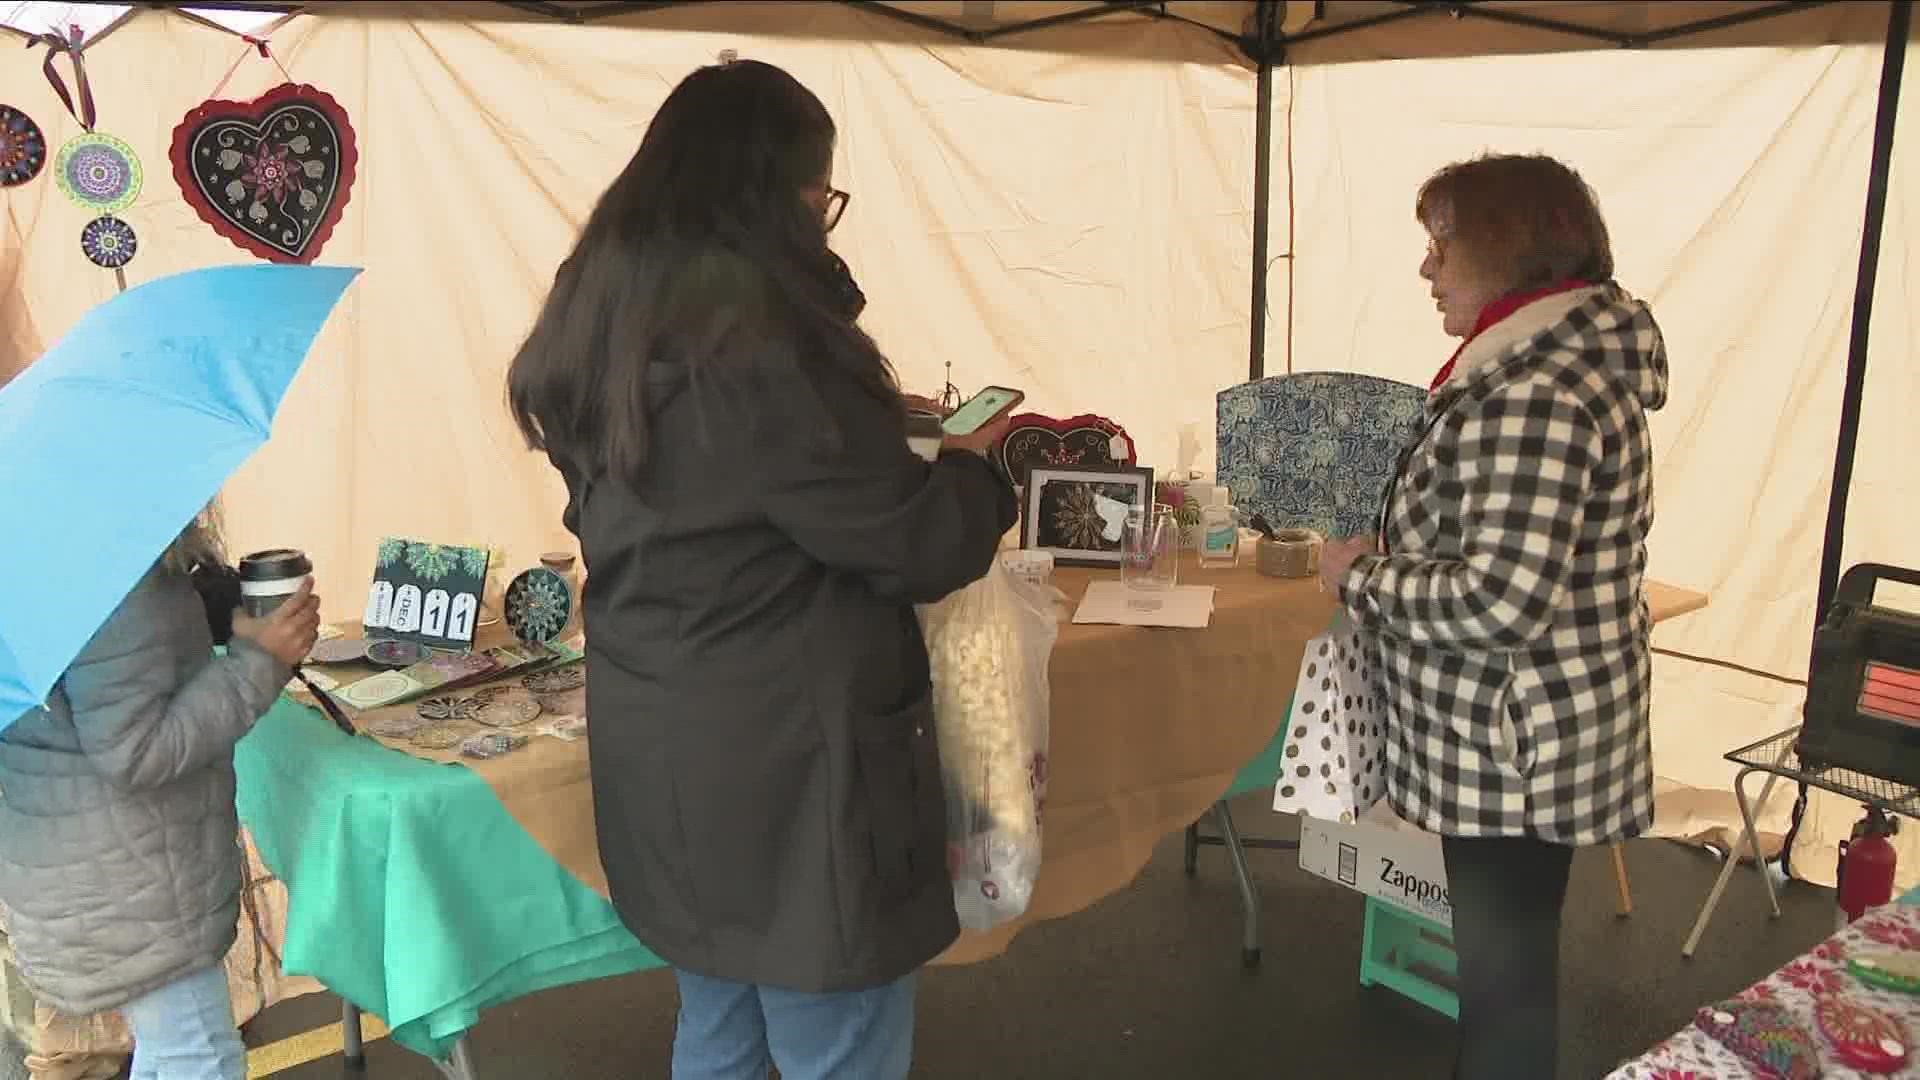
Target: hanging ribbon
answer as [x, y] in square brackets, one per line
[258, 45]
[71, 44]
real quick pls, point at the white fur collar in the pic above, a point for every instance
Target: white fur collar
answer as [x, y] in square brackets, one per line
[1495, 340]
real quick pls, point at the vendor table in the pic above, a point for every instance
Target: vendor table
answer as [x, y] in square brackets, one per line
[1823, 970]
[426, 892]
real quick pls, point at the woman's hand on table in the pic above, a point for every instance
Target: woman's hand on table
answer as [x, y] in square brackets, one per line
[288, 632]
[1337, 556]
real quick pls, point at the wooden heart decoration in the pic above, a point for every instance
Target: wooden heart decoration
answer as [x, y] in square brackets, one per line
[272, 175]
[1033, 440]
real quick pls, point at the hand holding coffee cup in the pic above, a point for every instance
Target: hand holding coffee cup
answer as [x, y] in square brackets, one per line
[278, 611]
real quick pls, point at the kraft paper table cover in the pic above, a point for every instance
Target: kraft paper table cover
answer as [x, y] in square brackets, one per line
[413, 893]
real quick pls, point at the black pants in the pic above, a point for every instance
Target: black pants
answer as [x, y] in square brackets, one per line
[1506, 894]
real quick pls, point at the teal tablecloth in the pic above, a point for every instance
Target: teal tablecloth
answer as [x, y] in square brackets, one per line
[412, 892]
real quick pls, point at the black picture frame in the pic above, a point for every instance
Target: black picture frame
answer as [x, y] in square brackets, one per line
[1041, 506]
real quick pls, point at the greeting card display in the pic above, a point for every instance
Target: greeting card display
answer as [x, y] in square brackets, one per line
[272, 175]
[426, 593]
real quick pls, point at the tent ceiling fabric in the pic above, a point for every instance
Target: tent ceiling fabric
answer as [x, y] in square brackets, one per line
[1307, 32]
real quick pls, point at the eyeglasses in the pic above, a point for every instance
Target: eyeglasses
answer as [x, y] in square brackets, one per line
[837, 201]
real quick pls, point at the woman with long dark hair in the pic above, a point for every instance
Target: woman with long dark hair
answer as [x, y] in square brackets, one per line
[757, 532]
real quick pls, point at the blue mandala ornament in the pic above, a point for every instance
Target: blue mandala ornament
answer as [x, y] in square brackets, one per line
[109, 242]
[539, 602]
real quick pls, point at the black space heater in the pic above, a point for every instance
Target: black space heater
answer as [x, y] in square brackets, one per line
[1863, 688]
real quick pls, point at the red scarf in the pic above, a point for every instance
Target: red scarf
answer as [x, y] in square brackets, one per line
[1493, 313]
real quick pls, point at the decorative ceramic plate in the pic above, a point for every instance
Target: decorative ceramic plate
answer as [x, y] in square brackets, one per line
[450, 707]
[23, 147]
[539, 603]
[557, 680]
[397, 654]
[343, 650]
[98, 172]
[508, 714]
[108, 242]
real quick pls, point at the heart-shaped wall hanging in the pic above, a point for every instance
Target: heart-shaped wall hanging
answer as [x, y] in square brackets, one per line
[272, 175]
[1033, 440]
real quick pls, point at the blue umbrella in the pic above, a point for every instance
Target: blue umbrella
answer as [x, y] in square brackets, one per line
[117, 436]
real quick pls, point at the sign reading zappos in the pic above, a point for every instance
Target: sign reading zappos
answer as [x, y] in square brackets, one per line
[1426, 894]
[428, 593]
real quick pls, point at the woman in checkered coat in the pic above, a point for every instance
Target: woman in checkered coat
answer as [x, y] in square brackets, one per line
[1504, 592]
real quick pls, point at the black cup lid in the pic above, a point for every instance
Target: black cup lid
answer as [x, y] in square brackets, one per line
[275, 564]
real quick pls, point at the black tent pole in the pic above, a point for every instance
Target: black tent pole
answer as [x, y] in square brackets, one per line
[1886, 113]
[1261, 45]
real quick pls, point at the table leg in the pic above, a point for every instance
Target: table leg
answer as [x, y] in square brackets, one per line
[1620, 878]
[1732, 863]
[459, 1065]
[352, 1045]
[1243, 877]
[1753, 835]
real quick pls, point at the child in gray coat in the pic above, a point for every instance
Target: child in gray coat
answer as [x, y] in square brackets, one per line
[119, 858]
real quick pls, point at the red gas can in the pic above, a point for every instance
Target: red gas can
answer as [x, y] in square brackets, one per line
[1867, 862]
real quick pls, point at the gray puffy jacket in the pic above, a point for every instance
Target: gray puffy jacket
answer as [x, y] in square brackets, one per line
[119, 856]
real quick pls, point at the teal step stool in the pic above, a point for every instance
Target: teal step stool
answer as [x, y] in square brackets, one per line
[1399, 949]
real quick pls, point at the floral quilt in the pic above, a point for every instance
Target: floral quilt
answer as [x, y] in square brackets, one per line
[1694, 1055]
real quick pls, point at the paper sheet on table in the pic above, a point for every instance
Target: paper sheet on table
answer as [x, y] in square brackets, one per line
[1184, 606]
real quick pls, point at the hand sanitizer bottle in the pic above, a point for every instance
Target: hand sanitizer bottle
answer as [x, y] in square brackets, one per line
[1219, 532]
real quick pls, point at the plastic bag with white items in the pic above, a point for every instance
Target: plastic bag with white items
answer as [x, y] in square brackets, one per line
[988, 647]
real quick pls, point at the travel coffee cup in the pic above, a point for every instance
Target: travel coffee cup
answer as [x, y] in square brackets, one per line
[267, 578]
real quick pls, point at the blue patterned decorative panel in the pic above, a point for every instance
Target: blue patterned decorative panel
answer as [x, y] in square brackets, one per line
[1316, 450]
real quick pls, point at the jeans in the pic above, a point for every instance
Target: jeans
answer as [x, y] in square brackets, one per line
[733, 1031]
[1507, 893]
[185, 1030]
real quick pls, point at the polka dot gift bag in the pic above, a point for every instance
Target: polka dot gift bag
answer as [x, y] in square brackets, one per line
[1333, 765]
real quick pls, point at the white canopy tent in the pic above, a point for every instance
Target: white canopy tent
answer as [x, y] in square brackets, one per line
[1072, 197]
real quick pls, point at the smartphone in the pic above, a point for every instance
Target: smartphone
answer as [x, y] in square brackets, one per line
[982, 409]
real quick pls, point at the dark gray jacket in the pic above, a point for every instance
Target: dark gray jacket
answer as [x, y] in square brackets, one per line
[765, 773]
[119, 857]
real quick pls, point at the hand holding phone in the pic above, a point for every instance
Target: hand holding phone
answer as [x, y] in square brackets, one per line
[982, 420]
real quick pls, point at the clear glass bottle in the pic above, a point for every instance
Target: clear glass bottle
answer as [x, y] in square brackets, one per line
[1219, 532]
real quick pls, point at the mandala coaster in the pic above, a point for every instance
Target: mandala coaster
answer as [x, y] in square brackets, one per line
[443, 736]
[446, 708]
[108, 242]
[561, 704]
[508, 714]
[539, 603]
[1863, 1037]
[557, 680]
[491, 745]
[487, 695]
[98, 172]
[397, 654]
[341, 650]
[399, 725]
[23, 147]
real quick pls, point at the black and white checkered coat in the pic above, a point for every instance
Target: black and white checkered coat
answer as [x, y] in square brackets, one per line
[1508, 609]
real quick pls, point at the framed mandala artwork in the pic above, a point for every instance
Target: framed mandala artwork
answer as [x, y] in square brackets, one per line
[1076, 512]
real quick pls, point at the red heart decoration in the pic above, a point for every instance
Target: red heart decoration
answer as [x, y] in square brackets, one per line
[272, 175]
[1033, 439]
